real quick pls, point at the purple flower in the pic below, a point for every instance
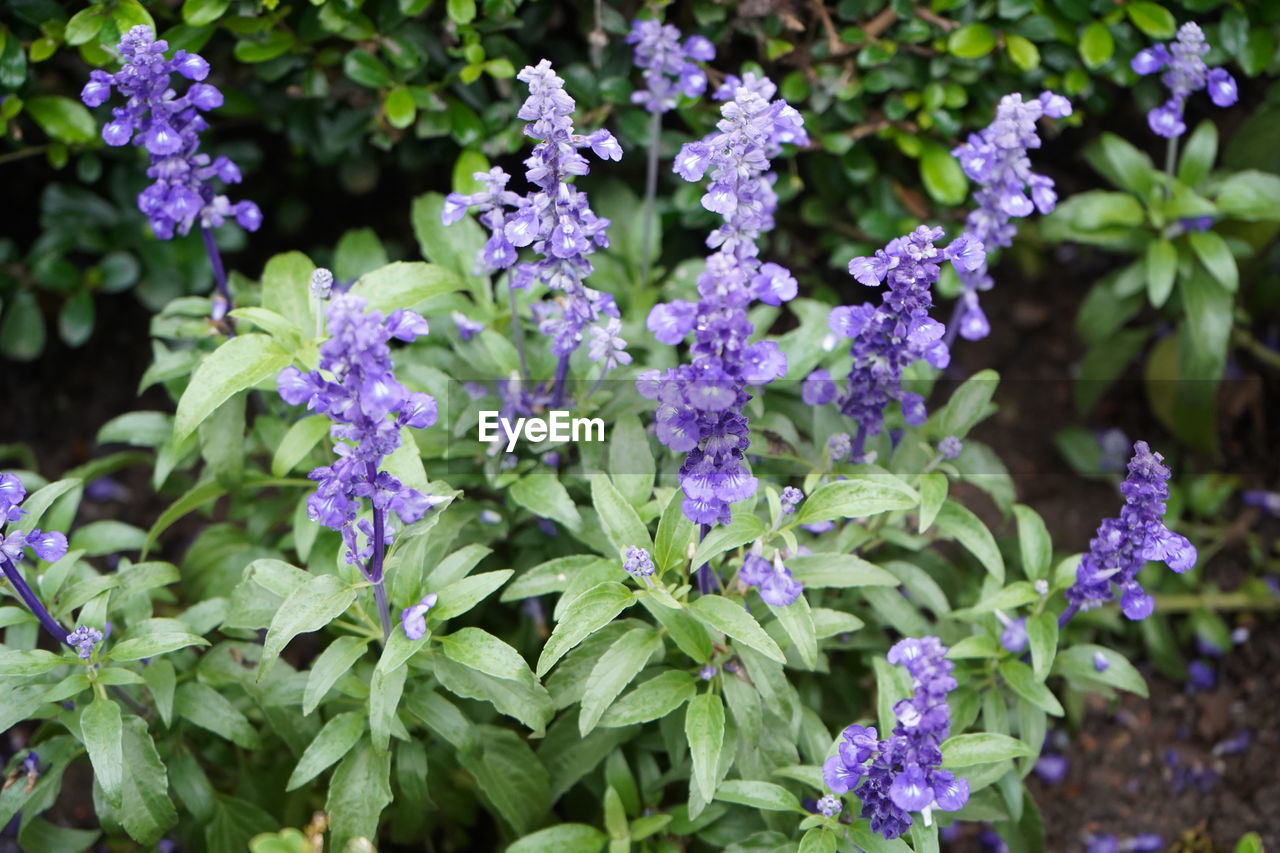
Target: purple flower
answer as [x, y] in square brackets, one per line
[818, 389]
[638, 563]
[48, 545]
[555, 219]
[467, 328]
[169, 126]
[414, 619]
[1100, 662]
[83, 639]
[321, 283]
[1185, 72]
[1052, 769]
[1268, 502]
[1101, 844]
[357, 388]
[670, 66]
[1014, 635]
[774, 580]
[790, 498]
[708, 672]
[1123, 545]
[700, 404]
[996, 161]
[902, 773]
[829, 805]
[889, 337]
[950, 447]
[1201, 676]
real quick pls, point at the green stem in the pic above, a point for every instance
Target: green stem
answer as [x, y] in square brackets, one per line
[1256, 348]
[1170, 161]
[23, 153]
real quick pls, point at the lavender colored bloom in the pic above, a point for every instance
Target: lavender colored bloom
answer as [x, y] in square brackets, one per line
[889, 337]
[369, 407]
[1235, 744]
[1185, 72]
[818, 388]
[790, 498]
[1115, 447]
[1268, 502]
[1148, 842]
[638, 563]
[414, 619]
[820, 527]
[48, 545]
[840, 446]
[829, 805]
[321, 283]
[1014, 635]
[1100, 662]
[950, 447]
[700, 404]
[1200, 676]
[169, 126]
[467, 328]
[774, 580]
[84, 639]
[670, 66]
[902, 774]
[1052, 769]
[708, 672]
[996, 161]
[1104, 843]
[1123, 545]
[555, 218]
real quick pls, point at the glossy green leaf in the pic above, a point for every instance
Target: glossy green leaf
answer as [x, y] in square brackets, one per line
[308, 608]
[1096, 45]
[729, 618]
[957, 522]
[1153, 19]
[942, 175]
[1213, 252]
[103, 731]
[857, 497]
[704, 730]
[240, 363]
[616, 668]
[972, 41]
[588, 613]
[330, 745]
[982, 748]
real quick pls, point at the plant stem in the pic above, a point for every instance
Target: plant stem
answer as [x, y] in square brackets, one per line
[375, 562]
[384, 611]
[953, 327]
[222, 300]
[650, 196]
[1244, 338]
[23, 153]
[562, 372]
[1170, 161]
[33, 602]
[517, 330]
[859, 440]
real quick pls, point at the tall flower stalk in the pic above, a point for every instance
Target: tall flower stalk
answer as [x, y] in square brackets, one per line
[47, 544]
[670, 70]
[357, 388]
[554, 219]
[700, 404]
[168, 126]
[996, 161]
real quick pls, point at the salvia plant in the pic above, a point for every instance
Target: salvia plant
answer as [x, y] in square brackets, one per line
[754, 614]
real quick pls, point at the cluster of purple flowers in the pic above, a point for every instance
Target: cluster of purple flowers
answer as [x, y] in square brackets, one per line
[169, 127]
[638, 563]
[1185, 72]
[777, 586]
[369, 408]
[700, 405]
[83, 639]
[670, 66]
[555, 218]
[902, 774]
[889, 337]
[1123, 545]
[414, 619]
[47, 544]
[996, 161]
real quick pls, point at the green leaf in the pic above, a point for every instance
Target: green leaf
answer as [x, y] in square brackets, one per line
[621, 523]
[562, 838]
[1022, 51]
[957, 522]
[197, 13]
[366, 69]
[358, 792]
[546, 497]
[1212, 251]
[103, 731]
[970, 403]
[400, 108]
[675, 533]
[1209, 309]
[75, 320]
[62, 118]
[704, 729]
[286, 290]
[84, 25]
[765, 796]
[933, 491]
[209, 709]
[729, 618]
[1153, 19]
[651, 700]
[1097, 210]
[631, 463]
[1250, 195]
[141, 429]
[161, 681]
[972, 41]
[1199, 154]
[1042, 633]
[743, 528]
[1123, 164]
[154, 645]
[483, 652]
[301, 438]
[239, 364]
[386, 688]
[1078, 664]
[838, 571]
[146, 810]
[1096, 45]
[308, 608]
[405, 285]
[1161, 266]
[588, 613]
[1023, 681]
[461, 11]
[1033, 542]
[264, 48]
[1250, 842]
[18, 663]
[359, 252]
[615, 669]
[22, 333]
[943, 177]
[818, 840]
[982, 748]
[462, 595]
[330, 744]
[334, 662]
[797, 620]
[857, 497]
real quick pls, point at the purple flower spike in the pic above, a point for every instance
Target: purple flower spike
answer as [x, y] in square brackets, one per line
[902, 774]
[169, 126]
[996, 161]
[1185, 72]
[700, 404]
[84, 639]
[369, 407]
[889, 337]
[1123, 545]
[414, 619]
[670, 67]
